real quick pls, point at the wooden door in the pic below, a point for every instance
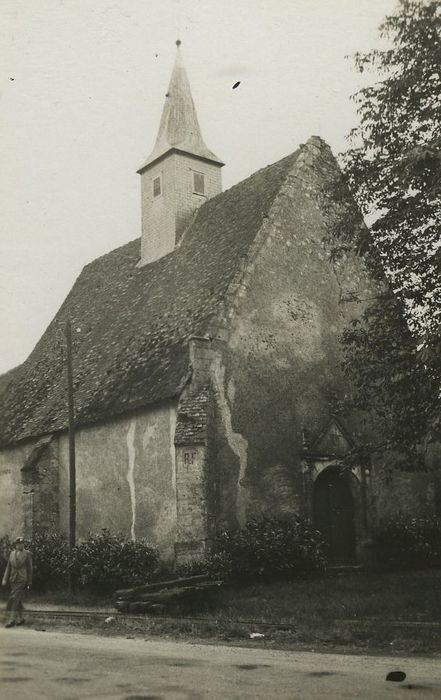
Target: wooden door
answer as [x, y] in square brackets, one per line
[334, 514]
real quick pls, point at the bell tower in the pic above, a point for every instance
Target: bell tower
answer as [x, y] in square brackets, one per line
[180, 174]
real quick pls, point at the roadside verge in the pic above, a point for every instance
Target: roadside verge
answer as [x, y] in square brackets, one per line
[368, 635]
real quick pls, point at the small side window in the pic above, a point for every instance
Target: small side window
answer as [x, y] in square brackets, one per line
[157, 186]
[198, 183]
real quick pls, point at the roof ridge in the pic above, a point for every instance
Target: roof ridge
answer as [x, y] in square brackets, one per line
[257, 172]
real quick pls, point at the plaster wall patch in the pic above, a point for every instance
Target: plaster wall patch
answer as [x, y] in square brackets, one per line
[236, 441]
[172, 446]
[130, 476]
[148, 435]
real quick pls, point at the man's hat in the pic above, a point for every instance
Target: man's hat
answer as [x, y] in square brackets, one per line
[19, 539]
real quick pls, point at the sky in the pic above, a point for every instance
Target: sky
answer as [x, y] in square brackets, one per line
[82, 86]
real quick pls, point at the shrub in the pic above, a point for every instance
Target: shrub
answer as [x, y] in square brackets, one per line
[5, 549]
[107, 561]
[216, 565]
[50, 559]
[266, 549]
[101, 563]
[409, 543]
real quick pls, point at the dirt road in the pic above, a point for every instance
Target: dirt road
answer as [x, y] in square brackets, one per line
[36, 665]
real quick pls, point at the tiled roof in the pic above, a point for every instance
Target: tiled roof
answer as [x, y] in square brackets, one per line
[192, 423]
[7, 378]
[133, 323]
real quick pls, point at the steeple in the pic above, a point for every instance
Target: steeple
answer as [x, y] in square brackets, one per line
[179, 126]
[180, 174]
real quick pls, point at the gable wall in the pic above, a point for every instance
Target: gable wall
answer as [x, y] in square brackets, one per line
[278, 369]
[277, 363]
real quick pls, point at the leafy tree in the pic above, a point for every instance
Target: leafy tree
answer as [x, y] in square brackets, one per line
[393, 168]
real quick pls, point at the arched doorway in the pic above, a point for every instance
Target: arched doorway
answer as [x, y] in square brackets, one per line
[333, 507]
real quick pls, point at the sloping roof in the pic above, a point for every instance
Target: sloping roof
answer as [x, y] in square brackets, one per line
[134, 323]
[7, 378]
[179, 127]
[192, 423]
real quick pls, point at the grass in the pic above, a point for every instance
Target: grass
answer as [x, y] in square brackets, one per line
[410, 596]
[355, 612]
[392, 596]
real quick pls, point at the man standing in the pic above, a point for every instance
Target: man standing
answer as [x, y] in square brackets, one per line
[18, 574]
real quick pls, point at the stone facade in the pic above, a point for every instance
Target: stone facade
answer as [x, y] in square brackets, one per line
[274, 365]
[192, 507]
[277, 355]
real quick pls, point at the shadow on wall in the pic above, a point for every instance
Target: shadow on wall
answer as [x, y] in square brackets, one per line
[278, 491]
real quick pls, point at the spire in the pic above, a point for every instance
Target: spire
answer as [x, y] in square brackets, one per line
[179, 127]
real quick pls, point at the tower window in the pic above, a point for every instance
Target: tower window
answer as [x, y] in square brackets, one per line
[157, 186]
[198, 183]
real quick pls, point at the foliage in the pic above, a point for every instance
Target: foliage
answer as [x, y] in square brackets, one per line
[266, 549]
[100, 564]
[410, 543]
[394, 166]
[5, 549]
[50, 559]
[393, 169]
[391, 382]
[106, 561]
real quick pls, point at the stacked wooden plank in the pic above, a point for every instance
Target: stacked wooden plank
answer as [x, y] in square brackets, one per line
[154, 597]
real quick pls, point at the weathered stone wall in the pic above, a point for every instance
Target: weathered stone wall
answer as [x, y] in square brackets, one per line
[192, 511]
[12, 460]
[40, 480]
[126, 477]
[195, 478]
[48, 514]
[279, 364]
[165, 218]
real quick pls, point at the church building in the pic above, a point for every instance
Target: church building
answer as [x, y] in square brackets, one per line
[206, 357]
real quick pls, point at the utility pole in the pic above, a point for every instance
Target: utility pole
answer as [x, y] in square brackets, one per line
[71, 432]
